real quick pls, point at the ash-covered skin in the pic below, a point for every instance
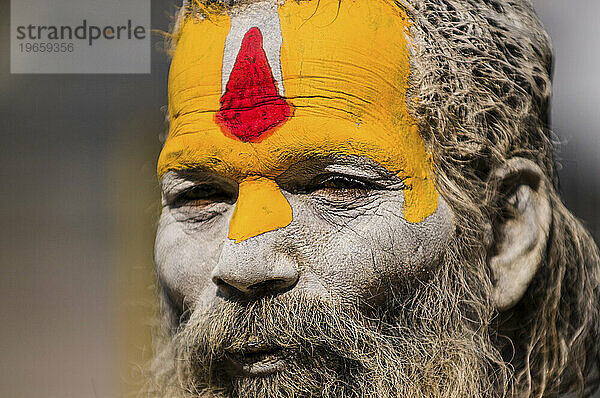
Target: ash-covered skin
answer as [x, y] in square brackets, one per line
[351, 243]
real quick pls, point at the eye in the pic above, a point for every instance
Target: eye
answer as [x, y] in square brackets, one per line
[202, 195]
[342, 182]
[200, 192]
[341, 188]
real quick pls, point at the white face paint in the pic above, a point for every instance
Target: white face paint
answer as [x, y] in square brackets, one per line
[348, 238]
[264, 16]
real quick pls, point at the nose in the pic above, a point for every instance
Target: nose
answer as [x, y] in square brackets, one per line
[245, 268]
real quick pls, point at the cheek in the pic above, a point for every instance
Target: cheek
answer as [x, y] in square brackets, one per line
[185, 257]
[380, 249]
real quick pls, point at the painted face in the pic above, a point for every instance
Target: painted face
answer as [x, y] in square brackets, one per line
[292, 160]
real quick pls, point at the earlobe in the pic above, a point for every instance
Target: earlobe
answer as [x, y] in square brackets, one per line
[521, 229]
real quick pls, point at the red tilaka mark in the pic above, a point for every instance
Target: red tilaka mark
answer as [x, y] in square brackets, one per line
[251, 107]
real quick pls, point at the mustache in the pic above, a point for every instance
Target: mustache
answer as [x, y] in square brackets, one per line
[294, 323]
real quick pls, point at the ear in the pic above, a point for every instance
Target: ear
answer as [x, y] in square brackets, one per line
[520, 231]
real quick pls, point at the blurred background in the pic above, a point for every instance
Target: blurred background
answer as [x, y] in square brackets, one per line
[80, 203]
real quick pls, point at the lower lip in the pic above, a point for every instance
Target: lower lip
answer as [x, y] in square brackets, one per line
[266, 366]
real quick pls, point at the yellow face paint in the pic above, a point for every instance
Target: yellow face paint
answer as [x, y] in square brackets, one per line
[343, 69]
[260, 207]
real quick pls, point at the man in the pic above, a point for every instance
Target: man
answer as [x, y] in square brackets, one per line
[360, 200]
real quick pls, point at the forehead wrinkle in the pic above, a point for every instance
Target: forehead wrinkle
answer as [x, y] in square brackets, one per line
[277, 165]
[194, 96]
[377, 74]
[201, 88]
[332, 78]
[364, 70]
[357, 97]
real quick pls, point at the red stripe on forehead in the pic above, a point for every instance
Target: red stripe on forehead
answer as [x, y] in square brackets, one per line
[251, 107]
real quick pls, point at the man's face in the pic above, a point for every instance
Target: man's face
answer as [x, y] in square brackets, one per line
[293, 173]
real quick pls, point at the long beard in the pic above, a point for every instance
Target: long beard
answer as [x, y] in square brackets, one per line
[432, 342]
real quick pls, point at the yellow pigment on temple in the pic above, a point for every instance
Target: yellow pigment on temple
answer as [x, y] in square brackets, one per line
[345, 70]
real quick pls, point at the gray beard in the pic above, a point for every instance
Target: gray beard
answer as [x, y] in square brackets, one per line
[433, 342]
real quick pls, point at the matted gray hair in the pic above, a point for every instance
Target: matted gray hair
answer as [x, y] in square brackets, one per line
[482, 76]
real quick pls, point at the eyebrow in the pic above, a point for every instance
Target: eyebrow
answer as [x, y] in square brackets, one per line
[360, 167]
[354, 165]
[179, 180]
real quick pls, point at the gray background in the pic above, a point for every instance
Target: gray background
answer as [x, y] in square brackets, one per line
[79, 203]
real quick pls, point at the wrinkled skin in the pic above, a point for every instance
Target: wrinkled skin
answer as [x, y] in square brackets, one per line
[348, 238]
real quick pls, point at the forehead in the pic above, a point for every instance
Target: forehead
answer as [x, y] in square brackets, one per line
[342, 68]
[264, 86]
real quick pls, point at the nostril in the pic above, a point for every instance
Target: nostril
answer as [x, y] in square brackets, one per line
[264, 288]
[277, 285]
[227, 289]
[218, 281]
[222, 285]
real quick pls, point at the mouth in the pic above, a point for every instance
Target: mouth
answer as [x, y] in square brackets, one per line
[258, 360]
